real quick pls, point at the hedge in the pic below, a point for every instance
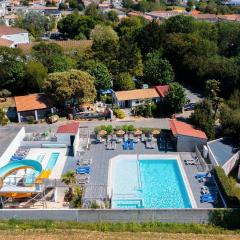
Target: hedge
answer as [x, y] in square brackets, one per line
[228, 188]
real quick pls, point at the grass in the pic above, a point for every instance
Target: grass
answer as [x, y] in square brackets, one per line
[51, 226]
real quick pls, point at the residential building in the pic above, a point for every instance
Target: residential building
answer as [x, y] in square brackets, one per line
[223, 152]
[16, 35]
[131, 98]
[36, 105]
[187, 137]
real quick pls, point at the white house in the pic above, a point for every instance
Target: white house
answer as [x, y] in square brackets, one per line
[16, 35]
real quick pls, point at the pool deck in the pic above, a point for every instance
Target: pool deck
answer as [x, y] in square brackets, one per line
[97, 186]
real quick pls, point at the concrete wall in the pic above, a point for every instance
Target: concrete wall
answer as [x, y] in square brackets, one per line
[63, 138]
[187, 144]
[230, 164]
[12, 147]
[107, 215]
[76, 143]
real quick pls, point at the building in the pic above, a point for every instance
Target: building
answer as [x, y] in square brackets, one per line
[132, 98]
[223, 152]
[6, 43]
[162, 15]
[36, 105]
[16, 35]
[10, 19]
[187, 137]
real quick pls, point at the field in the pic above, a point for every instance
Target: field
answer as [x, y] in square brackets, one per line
[76, 234]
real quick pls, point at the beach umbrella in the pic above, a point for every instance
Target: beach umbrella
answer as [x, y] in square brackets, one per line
[120, 132]
[102, 132]
[156, 132]
[138, 132]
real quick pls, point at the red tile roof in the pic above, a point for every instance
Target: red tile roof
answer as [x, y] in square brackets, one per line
[5, 42]
[32, 102]
[162, 90]
[4, 30]
[69, 128]
[181, 128]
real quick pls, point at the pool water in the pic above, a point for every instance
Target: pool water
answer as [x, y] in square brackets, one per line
[52, 161]
[148, 184]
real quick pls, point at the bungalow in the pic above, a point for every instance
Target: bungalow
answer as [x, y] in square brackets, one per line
[16, 35]
[132, 98]
[33, 105]
[223, 152]
[187, 137]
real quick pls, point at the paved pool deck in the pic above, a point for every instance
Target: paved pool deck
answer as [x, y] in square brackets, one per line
[97, 186]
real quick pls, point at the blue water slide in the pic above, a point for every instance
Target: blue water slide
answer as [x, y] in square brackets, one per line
[26, 163]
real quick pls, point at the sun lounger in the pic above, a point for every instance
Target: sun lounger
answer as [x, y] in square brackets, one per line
[114, 145]
[208, 198]
[125, 137]
[131, 145]
[135, 140]
[119, 140]
[82, 171]
[148, 144]
[189, 161]
[114, 137]
[109, 145]
[143, 138]
[86, 161]
[125, 145]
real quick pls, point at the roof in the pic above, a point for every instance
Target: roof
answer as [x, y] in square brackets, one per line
[4, 30]
[181, 128]
[32, 102]
[5, 42]
[223, 149]
[38, 8]
[137, 94]
[162, 90]
[69, 128]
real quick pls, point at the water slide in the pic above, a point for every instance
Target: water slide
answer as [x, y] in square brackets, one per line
[16, 165]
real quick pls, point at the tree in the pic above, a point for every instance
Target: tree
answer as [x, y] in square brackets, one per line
[11, 69]
[157, 71]
[35, 73]
[3, 118]
[93, 12]
[69, 178]
[124, 82]
[129, 58]
[230, 116]
[180, 24]
[51, 56]
[151, 37]
[76, 4]
[127, 3]
[112, 16]
[5, 94]
[202, 118]
[36, 23]
[175, 98]
[102, 77]
[73, 85]
[76, 26]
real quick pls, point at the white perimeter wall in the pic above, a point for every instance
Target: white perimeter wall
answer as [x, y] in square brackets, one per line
[12, 147]
[63, 138]
[76, 143]
[231, 163]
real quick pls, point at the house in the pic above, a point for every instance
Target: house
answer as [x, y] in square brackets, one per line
[16, 35]
[36, 105]
[132, 98]
[10, 19]
[223, 152]
[187, 137]
[69, 135]
[162, 15]
[6, 43]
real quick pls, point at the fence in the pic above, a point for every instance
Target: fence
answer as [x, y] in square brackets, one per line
[110, 215]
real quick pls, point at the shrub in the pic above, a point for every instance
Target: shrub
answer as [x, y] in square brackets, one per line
[94, 205]
[106, 99]
[5, 94]
[131, 128]
[228, 188]
[119, 113]
[30, 120]
[109, 129]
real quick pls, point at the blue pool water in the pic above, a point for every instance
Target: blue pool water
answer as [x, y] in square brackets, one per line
[148, 184]
[52, 161]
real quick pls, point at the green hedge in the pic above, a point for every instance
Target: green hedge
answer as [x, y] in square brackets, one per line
[228, 188]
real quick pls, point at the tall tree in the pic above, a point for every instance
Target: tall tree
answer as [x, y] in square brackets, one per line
[124, 82]
[157, 71]
[3, 118]
[74, 84]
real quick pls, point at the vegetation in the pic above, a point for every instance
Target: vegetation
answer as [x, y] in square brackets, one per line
[3, 118]
[5, 94]
[119, 113]
[230, 191]
[69, 178]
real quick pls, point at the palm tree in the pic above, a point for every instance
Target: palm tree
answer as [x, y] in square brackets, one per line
[69, 178]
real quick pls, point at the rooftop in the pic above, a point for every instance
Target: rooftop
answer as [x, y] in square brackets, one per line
[4, 30]
[5, 42]
[223, 149]
[137, 94]
[69, 128]
[32, 102]
[162, 90]
[181, 128]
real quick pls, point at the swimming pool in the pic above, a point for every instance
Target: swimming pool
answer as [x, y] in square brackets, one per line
[52, 161]
[148, 183]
